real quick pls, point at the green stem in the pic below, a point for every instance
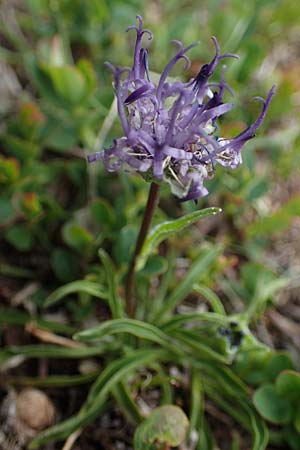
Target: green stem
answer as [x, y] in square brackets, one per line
[152, 201]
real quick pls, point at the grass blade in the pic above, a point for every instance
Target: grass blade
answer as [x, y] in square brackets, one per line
[55, 351]
[126, 404]
[115, 302]
[84, 286]
[180, 320]
[53, 380]
[197, 405]
[113, 374]
[212, 298]
[134, 327]
[203, 351]
[198, 269]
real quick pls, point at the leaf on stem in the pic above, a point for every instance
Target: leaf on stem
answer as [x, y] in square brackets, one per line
[167, 229]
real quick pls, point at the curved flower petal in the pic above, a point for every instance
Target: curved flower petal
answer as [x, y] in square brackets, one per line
[170, 128]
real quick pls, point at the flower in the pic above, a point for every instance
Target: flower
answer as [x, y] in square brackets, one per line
[169, 127]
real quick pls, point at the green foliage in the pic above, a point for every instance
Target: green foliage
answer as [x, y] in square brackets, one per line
[108, 379]
[288, 384]
[272, 406]
[277, 222]
[131, 326]
[194, 275]
[76, 237]
[201, 285]
[85, 286]
[279, 403]
[167, 229]
[20, 237]
[257, 288]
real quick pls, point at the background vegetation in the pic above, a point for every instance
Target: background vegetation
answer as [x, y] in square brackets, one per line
[229, 273]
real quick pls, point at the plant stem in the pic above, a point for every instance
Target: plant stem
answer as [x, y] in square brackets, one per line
[152, 201]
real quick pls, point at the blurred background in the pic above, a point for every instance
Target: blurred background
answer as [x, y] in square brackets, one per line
[57, 105]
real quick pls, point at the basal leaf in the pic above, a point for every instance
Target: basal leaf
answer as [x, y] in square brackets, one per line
[197, 404]
[197, 345]
[197, 271]
[53, 380]
[212, 298]
[137, 328]
[114, 300]
[97, 398]
[127, 404]
[187, 319]
[84, 286]
[55, 351]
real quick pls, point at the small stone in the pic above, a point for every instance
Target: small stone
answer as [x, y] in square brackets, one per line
[34, 409]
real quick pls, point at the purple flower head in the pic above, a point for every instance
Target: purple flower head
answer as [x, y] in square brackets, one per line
[169, 127]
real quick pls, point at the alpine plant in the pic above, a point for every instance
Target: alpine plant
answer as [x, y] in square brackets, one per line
[169, 128]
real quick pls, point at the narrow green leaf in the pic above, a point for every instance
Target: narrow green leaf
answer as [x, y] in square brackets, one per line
[164, 383]
[229, 405]
[97, 398]
[137, 328]
[126, 404]
[197, 404]
[259, 429]
[84, 286]
[53, 380]
[206, 439]
[54, 351]
[114, 300]
[64, 429]
[226, 380]
[196, 272]
[202, 350]
[212, 298]
[242, 411]
[167, 229]
[155, 265]
[183, 319]
[120, 368]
